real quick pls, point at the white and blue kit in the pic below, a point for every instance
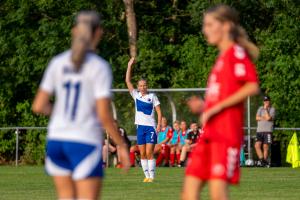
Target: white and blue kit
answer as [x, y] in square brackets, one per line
[144, 117]
[74, 139]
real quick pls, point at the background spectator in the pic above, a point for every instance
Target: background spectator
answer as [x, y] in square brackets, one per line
[265, 121]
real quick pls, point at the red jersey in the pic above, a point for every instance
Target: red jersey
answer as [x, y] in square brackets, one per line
[231, 71]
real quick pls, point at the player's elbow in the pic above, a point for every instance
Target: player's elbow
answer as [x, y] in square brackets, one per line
[253, 89]
[37, 108]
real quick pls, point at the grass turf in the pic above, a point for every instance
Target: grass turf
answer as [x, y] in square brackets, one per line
[30, 182]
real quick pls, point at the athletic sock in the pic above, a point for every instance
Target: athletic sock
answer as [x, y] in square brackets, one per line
[159, 159]
[167, 156]
[172, 159]
[144, 163]
[151, 166]
[178, 158]
[132, 158]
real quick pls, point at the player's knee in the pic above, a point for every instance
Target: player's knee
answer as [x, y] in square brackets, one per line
[257, 145]
[143, 155]
[132, 149]
[149, 156]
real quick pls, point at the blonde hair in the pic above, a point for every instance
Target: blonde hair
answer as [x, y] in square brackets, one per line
[225, 13]
[86, 23]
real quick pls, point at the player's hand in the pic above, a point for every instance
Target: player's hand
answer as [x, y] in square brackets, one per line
[158, 128]
[206, 116]
[195, 104]
[131, 62]
[124, 157]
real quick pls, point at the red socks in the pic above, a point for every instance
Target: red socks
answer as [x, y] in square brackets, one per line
[132, 158]
[159, 159]
[172, 159]
[178, 158]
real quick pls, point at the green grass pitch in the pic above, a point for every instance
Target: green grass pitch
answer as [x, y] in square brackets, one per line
[30, 182]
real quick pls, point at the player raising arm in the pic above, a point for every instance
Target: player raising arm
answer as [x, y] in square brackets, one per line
[145, 104]
[232, 79]
[81, 82]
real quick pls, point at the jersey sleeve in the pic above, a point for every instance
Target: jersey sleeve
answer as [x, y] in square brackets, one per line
[243, 68]
[170, 133]
[272, 113]
[102, 82]
[48, 81]
[155, 100]
[134, 93]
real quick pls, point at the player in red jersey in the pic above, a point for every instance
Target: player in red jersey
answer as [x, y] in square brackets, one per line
[216, 157]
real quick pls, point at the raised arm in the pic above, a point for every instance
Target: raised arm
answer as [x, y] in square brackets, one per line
[249, 89]
[128, 74]
[106, 118]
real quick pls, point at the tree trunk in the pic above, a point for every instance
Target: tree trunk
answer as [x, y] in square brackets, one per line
[131, 26]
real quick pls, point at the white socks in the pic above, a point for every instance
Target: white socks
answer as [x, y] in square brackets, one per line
[145, 167]
[151, 167]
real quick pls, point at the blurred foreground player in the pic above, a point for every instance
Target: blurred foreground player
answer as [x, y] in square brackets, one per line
[215, 159]
[81, 82]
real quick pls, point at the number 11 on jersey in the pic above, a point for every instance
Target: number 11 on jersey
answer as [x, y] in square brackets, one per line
[70, 88]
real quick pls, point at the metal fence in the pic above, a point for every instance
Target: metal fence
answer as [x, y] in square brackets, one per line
[248, 127]
[132, 138]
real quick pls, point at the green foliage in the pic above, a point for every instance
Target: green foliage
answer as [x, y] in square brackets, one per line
[172, 53]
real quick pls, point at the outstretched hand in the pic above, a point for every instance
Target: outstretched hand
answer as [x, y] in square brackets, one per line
[195, 104]
[124, 158]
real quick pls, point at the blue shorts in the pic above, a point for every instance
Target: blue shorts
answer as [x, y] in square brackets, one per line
[146, 135]
[78, 160]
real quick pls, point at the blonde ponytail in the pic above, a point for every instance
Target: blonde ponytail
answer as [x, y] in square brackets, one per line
[243, 40]
[86, 23]
[80, 44]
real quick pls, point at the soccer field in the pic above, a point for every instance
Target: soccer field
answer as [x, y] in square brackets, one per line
[30, 182]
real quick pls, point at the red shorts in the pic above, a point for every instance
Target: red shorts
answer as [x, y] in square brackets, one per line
[214, 160]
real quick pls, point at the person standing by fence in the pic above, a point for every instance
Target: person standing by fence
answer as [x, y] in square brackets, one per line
[265, 121]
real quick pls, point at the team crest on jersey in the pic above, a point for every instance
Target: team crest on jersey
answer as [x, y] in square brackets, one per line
[239, 69]
[239, 52]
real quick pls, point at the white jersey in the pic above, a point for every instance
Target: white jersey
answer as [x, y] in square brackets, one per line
[74, 115]
[144, 108]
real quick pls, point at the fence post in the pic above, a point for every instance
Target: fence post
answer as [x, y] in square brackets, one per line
[249, 128]
[173, 108]
[17, 146]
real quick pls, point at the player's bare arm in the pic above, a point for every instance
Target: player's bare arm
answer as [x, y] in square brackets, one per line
[105, 115]
[41, 103]
[128, 74]
[159, 116]
[249, 89]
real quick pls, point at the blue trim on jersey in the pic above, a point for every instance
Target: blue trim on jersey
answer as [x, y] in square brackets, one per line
[146, 135]
[144, 107]
[69, 155]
